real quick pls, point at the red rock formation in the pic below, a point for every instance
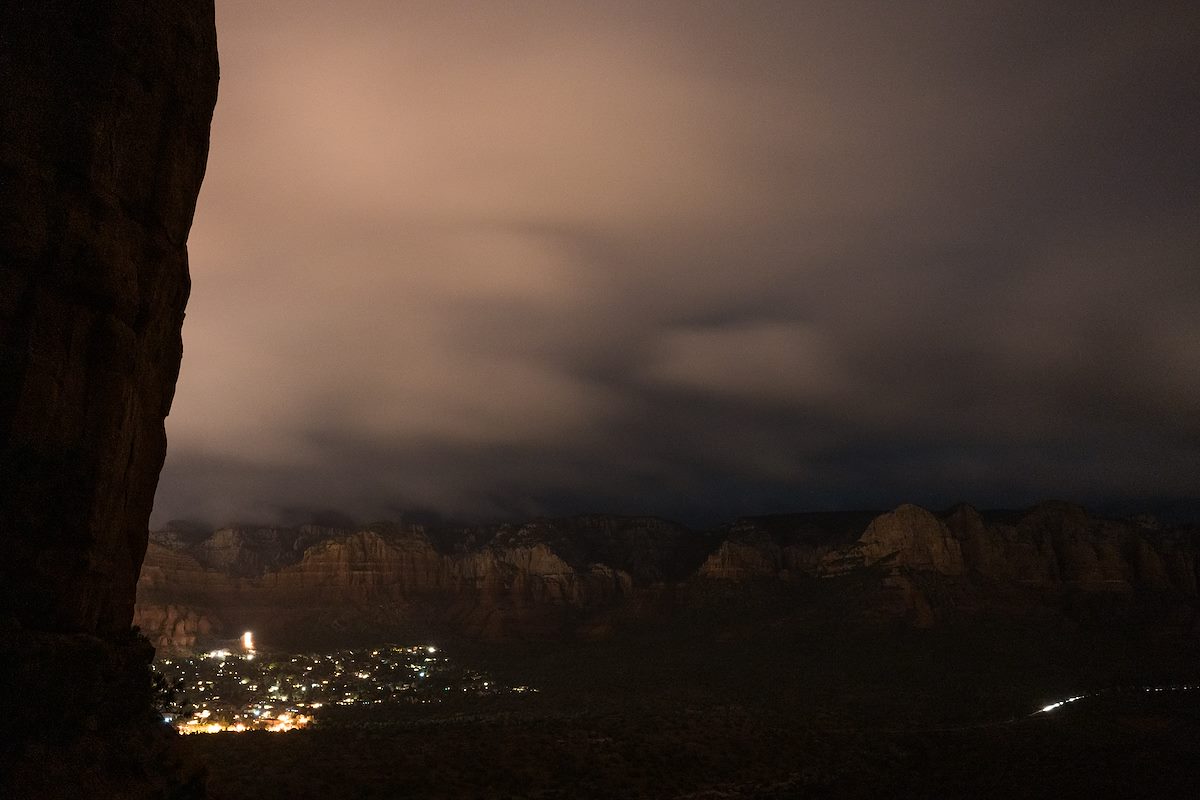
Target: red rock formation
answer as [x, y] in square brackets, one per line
[104, 121]
[368, 581]
[911, 537]
[560, 577]
[744, 557]
[105, 115]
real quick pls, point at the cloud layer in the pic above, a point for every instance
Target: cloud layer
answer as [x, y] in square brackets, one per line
[691, 259]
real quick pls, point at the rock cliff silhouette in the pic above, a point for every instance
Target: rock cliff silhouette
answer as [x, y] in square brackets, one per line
[104, 130]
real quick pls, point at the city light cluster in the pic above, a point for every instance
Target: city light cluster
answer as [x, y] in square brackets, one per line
[224, 690]
[286, 721]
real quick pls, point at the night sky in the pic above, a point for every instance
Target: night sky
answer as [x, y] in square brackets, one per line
[694, 259]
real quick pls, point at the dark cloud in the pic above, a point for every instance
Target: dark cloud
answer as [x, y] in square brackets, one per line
[694, 259]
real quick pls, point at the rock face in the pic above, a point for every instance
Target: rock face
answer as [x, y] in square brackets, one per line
[390, 578]
[783, 545]
[749, 555]
[911, 537]
[105, 115]
[580, 576]
[104, 121]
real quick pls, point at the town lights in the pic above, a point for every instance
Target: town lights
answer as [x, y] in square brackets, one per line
[236, 691]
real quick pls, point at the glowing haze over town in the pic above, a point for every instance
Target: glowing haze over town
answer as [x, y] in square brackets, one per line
[695, 259]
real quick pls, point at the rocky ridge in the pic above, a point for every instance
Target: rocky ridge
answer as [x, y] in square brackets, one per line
[581, 576]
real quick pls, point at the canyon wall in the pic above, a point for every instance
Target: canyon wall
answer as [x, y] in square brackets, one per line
[582, 576]
[104, 116]
[286, 586]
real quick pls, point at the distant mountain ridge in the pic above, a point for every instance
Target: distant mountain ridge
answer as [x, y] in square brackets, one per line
[586, 575]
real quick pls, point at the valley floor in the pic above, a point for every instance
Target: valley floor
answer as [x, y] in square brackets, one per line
[1114, 748]
[871, 711]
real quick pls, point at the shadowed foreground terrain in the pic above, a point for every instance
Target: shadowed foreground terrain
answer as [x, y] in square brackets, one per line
[876, 713]
[768, 689]
[1102, 752]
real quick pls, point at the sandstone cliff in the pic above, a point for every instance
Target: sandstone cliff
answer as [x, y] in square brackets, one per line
[369, 580]
[580, 576]
[104, 121]
[908, 537]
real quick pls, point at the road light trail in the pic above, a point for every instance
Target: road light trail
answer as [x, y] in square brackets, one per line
[1046, 709]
